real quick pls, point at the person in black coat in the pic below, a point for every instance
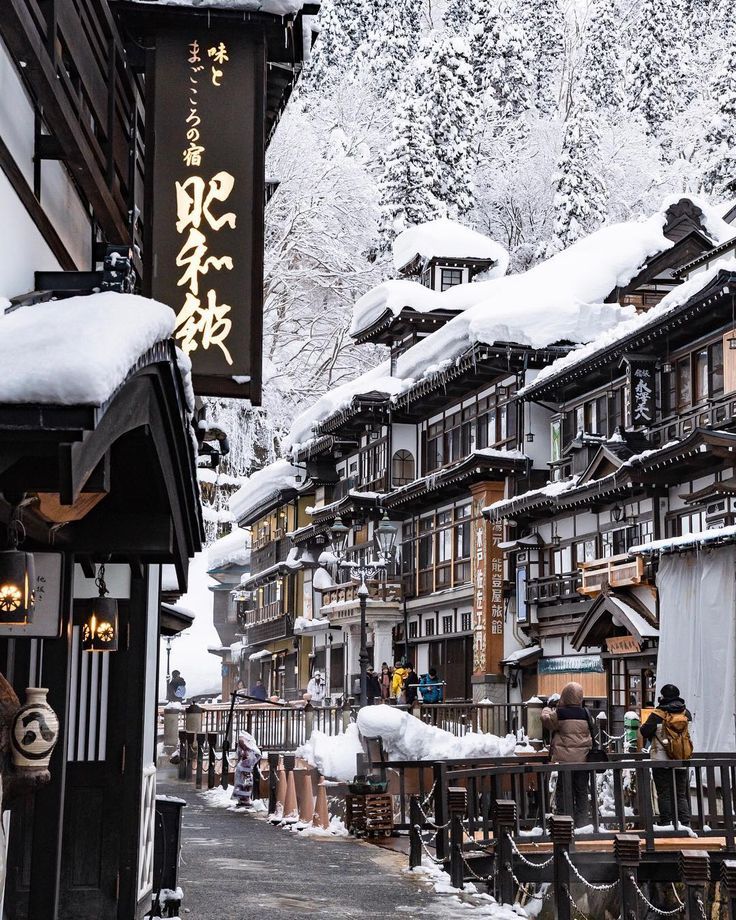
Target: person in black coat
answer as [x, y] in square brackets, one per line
[373, 686]
[411, 682]
[669, 701]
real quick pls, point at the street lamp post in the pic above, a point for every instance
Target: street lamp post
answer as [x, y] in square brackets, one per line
[385, 539]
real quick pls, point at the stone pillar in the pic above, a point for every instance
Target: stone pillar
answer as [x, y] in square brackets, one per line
[352, 634]
[382, 644]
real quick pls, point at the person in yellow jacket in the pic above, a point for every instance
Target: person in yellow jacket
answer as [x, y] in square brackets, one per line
[397, 682]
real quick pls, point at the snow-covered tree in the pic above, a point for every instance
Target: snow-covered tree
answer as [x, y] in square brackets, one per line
[447, 88]
[411, 172]
[580, 192]
[458, 16]
[392, 38]
[655, 67]
[342, 31]
[600, 73]
[501, 58]
[543, 21]
[718, 153]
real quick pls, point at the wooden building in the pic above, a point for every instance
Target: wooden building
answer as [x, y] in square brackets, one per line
[105, 476]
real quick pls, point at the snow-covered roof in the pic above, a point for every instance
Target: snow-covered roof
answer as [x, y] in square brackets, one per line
[77, 351]
[263, 485]
[676, 298]
[232, 549]
[274, 7]
[445, 238]
[560, 299]
[256, 656]
[633, 620]
[686, 541]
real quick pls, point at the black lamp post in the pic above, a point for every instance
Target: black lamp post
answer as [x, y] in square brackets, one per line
[385, 539]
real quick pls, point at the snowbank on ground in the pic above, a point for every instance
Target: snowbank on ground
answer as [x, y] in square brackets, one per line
[262, 485]
[558, 300]
[405, 737]
[77, 351]
[333, 755]
[232, 549]
[448, 239]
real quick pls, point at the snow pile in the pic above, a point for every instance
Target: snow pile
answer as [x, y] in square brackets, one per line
[273, 7]
[551, 490]
[558, 300]
[676, 298]
[481, 905]
[445, 238]
[333, 755]
[77, 351]
[302, 624]
[405, 737]
[322, 580]
[689, 540]
[232, 549]
[258, 488]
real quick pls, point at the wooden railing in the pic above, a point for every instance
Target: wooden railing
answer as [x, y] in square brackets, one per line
[551, 589]
[462, 718]
[617, 571]
[388, 591]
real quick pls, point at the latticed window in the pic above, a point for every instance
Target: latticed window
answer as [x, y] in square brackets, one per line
[402, 468]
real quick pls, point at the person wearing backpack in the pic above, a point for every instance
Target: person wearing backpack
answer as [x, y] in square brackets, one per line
[430, 687]
[668, 730]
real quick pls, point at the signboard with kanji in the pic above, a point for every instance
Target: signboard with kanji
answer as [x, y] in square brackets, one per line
[206, 258]
[487, 570]
[640, 391]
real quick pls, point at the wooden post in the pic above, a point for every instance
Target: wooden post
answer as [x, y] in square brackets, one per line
[561, 829]
[362, 764]
[273, 763]
[200, 764]
[288, 718]
[308, 720]
[183, 753]
[440, 809]
[346, 712]
[211, 750]
[415, 838]
[190, 755]
[504, 822]
[457, 803]
[728, 886]
[695, 871]
[626, 851]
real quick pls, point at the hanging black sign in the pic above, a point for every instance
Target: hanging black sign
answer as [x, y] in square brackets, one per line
[208, 198]
[640, 391]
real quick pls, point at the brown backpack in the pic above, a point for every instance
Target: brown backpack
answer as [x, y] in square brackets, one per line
[676, 739]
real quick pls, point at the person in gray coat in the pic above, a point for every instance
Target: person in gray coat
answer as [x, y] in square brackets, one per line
[569, 725]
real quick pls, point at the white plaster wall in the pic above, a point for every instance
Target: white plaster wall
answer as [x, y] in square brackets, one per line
[65, 210]
[117, 579]
[23, 250]
[421, 665]
[586, 523]
[537, 419]
[404, 437]
[16, 115]
[153, 607]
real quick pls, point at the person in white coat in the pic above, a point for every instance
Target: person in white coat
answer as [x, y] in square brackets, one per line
[316, 688]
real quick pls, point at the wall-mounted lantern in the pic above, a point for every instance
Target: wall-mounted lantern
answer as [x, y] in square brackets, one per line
[100, 626]
[17, 578]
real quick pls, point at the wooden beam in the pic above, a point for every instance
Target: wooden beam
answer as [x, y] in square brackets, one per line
[27, 44]
[147, 535]
[32, 205]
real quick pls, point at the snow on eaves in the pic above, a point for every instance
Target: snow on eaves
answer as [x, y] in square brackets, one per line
[78, 351]
[611, 337]
[261, 486]
[445, 238]
[558, 300]
[232, 549]
[686, 541]
[273, 7]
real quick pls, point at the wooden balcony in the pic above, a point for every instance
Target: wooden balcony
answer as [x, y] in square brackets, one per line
[387, 592]
[554, 589]
[616, 571]
[263, 614]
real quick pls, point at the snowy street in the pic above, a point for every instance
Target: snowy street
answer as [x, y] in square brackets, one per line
[236, 866]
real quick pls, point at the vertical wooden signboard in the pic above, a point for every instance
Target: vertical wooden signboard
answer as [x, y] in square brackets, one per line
[206, 258]
[488, 616]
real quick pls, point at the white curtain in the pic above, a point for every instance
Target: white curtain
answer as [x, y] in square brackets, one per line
[697, 640]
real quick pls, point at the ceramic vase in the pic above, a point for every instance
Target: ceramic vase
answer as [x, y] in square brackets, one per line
[34, 732]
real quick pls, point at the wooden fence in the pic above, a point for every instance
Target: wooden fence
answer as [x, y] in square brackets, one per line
[495, 824]
[285, 727]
